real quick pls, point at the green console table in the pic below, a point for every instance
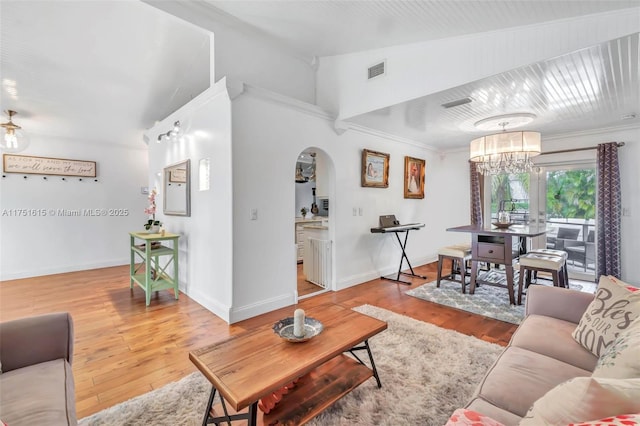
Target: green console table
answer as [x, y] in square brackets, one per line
[150, 274]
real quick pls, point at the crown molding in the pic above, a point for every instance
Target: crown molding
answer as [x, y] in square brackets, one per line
[591, 132]
[390, 136]
[319, 112]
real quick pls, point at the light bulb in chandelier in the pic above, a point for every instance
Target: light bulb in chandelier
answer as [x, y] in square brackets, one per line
[13, 138]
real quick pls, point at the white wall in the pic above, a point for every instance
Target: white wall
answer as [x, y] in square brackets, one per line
[419, 69]
[247, 55]
[205, 245]
[268, 135]
[55, 243]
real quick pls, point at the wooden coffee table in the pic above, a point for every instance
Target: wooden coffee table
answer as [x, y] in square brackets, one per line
[251, 365]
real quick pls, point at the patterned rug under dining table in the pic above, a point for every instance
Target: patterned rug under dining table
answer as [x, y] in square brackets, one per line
[251, 365]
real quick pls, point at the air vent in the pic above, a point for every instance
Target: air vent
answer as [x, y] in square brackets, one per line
[457, 102]
[376, 70]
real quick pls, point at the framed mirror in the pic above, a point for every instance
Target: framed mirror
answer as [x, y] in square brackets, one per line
[177, 189]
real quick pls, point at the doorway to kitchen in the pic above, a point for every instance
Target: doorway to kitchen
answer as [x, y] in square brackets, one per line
[312, 226]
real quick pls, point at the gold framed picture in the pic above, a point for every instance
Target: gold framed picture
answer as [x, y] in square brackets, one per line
[375, 169]
[413, 177]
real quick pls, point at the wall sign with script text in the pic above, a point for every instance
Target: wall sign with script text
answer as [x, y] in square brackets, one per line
[25, 164]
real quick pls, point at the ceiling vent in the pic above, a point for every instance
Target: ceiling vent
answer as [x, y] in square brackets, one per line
[376, 70]
[457, 102]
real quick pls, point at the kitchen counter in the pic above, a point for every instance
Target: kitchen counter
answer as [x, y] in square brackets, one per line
[320, 227]
[311, 219]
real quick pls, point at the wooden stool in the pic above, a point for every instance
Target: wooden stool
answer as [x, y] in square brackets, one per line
[564, 273]
[458, 254]
[539, 262]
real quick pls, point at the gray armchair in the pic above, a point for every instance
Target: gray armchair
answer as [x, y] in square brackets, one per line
[583, 252]
[564, 234]
[37, 380]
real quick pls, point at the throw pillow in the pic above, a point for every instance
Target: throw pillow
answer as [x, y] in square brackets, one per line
[464, 417]
[583, 399]
[621, 420]
[621, 360]
[612, 311]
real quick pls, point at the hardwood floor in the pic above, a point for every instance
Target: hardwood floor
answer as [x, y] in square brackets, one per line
[305, 287]
[123, 349]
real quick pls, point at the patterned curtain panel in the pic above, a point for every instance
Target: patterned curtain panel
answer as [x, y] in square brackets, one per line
[476, 199]
[609, 206]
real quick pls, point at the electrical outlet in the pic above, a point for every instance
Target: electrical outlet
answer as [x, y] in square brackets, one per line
[359, 211]
[254, 214]
[626, 211]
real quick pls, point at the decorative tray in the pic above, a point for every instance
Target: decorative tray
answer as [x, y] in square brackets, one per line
[502, 225]
[284, 329]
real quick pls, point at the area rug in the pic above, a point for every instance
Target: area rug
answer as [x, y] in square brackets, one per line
[489, 301]
[426, 372]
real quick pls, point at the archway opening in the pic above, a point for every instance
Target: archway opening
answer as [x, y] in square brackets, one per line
[313, 233]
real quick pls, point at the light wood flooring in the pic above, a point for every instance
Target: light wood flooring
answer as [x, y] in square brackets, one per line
[124, 349]
[305, 287]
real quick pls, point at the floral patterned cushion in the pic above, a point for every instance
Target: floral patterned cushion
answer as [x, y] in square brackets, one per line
[621, 420]
[464, 417]
[622, 359]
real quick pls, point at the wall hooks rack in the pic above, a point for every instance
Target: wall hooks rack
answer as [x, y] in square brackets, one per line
[47, 178]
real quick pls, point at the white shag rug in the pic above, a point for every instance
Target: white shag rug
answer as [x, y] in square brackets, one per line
[426, 372]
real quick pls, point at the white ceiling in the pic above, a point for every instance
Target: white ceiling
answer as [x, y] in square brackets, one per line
[589, 89]
[103, 71]
[333, 27]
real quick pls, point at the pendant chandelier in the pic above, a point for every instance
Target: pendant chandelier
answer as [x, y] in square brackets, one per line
[508, 151]
[13, 139]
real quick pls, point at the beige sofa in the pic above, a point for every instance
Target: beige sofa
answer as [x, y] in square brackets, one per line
[36, 384]
[542, 354]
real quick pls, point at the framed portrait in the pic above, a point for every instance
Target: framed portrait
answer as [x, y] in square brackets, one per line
[375, 169]
[413, 177]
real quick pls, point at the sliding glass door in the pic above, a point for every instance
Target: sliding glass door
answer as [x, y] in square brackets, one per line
[564, 197]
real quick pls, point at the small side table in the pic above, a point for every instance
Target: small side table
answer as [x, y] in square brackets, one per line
[155, 276]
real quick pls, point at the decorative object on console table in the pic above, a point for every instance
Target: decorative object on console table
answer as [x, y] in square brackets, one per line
[152, 226]
[413, 177]
[375, 169]
[303, 212]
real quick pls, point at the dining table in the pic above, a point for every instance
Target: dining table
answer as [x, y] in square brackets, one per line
[500, 246]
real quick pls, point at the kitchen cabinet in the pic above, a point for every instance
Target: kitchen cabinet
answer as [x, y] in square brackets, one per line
[299, 230]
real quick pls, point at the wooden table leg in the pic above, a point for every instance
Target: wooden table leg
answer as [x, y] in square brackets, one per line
[509, 271]
[474, 272]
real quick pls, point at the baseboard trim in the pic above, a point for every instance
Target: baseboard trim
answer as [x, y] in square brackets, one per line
[217, 308]
[63, 269]
[249, 311]
[357, 279]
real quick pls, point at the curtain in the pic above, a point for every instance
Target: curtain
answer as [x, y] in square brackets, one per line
[608, 211]
[476, 198]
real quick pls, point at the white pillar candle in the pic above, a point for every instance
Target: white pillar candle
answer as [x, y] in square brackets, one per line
[298, 323]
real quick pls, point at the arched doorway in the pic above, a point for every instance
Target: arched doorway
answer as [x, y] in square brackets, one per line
[314, 177]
